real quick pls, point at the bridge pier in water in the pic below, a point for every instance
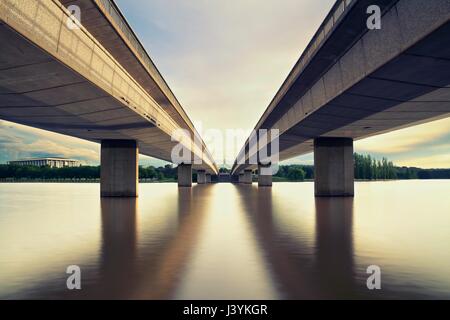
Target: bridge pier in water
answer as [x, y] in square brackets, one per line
[201, 177]
[247, 177]
[208, 178]
[119, 168]
[264, 179]
[185, 175]
[333, 167]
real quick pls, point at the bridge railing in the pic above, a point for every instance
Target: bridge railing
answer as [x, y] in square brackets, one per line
[336, 13]
[109, 7]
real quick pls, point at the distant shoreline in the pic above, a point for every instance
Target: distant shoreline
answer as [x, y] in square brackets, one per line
[75, 181]
[174, 181]
[366, 168]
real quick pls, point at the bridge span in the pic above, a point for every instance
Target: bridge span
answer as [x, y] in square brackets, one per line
[353, 82]
[92, 79]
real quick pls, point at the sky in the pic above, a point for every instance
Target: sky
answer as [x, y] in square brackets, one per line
[225, 60]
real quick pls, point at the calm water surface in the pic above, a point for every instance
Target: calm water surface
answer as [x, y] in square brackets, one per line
[225, 241]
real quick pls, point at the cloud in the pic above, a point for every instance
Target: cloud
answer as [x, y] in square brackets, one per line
[44, 147]
[18, 141]
[434, 161]
[225, 60]
[405, 140]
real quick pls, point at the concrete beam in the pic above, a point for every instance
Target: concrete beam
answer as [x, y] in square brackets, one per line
[333, 167]
[80, 88]
[185, 175]
[264, 177]
[119, 168]
[372, 73]
[201, 177]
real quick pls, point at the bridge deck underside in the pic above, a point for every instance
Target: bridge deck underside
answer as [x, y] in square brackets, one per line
[99, 26]
[39, 91]
[411, 89]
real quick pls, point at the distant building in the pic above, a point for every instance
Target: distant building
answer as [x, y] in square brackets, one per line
[51, 162]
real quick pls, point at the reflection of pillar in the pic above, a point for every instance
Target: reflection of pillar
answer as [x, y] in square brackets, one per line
[201, 176]
[334, 246]
[185, 175]
[287, 254]
[119, 248]
[264, 175]
[119, 168]
[333, 167]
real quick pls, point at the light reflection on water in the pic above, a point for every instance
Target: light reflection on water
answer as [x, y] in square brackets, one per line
[225, 241]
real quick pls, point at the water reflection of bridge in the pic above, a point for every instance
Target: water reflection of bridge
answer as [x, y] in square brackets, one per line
[304, 271]
[128, 267]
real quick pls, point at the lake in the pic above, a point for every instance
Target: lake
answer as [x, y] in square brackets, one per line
[225, 241]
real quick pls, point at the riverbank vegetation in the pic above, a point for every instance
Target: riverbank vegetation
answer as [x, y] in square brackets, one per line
[366, 168]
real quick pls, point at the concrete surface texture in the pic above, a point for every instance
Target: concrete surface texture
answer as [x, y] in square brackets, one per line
[184, 175]
[201, 177]
[119, 168]
[333, 167]
[264, 179]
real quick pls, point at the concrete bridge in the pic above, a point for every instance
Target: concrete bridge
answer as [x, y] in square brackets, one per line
[93, 81]
[353, 82]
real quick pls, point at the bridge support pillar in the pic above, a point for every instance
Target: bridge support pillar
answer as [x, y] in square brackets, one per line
[185, 175]
[208, 178]
[264, 175]
[241, 178]
[201, 177]
[333, 167]
[119, 168]
[247, 179]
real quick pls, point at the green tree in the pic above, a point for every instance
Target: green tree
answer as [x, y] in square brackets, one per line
[295, 173]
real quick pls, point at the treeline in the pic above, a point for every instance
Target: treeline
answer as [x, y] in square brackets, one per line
[295, 172]
[165, 173]
[418, 173]
[47, 173]
[17, 172]
[366, 168]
